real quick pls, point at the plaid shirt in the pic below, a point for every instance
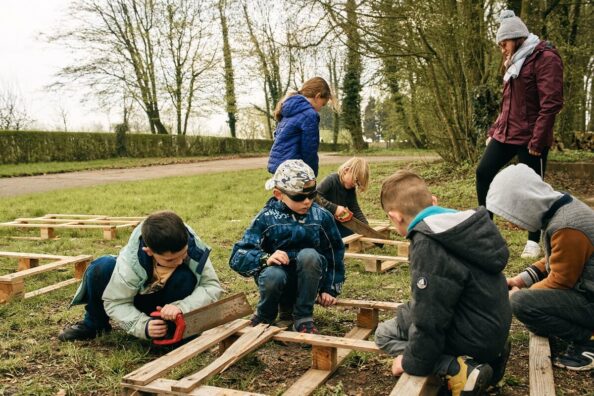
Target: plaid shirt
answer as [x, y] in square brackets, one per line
[277, 227]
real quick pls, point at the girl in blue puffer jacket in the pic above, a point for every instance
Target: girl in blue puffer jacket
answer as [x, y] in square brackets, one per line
[297, 134]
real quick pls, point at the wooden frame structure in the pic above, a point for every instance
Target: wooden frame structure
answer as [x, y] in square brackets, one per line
[542, 382]
[50, 222]
[356, 245]
[236, 339]
[12, 286]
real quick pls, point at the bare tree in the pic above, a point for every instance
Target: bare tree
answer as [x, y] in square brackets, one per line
[63, 115]
[13, 112]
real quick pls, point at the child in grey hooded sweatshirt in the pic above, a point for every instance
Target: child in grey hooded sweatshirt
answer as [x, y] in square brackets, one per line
[557, 296]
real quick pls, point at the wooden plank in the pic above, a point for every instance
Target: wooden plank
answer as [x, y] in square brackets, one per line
[308, 382]
[47, 233]
[323, 358]
[11, 291]
[542, 382]
[381, 305]
[163, 386]
[412, 385]
[50, 288]
[26, 263]
[109, 233]
[372, 265]
[42, 220]
[351, 238]
[367, 318]
[248, 342]
[32, 255]
[218, 313]
[388, 265]
[390, 242]
[88, 216]
[178, 356]
[363, 256]
[42, 268]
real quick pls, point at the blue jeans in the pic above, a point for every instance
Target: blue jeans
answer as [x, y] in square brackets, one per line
[296, 283]
[180, 285]
[567, 314]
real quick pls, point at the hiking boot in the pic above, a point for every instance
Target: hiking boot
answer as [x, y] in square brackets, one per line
[531, 250]
[499, 364]
[578, 357]
[80, 331]
[471, 379]
[306, 327]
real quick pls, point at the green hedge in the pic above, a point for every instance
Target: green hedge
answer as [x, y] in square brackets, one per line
[34, 146]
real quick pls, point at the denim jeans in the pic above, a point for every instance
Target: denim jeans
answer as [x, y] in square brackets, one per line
[567, 314]
[180, 285]
[391, 339]
[296, 283]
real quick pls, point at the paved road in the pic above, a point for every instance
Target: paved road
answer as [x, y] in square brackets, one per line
[14, 186]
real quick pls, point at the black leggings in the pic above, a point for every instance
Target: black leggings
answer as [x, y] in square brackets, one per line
[495, 157]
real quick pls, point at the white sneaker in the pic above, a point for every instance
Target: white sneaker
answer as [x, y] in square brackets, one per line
[531, 250]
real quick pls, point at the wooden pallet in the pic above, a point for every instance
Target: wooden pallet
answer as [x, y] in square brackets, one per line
[542, 382]
[356, 245]
[12, 286]
[50, 222]
[236, 339]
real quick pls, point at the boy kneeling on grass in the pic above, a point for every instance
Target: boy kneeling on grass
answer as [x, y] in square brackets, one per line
[292, 249]
[457, 322]
[557, 293]
[164, 266]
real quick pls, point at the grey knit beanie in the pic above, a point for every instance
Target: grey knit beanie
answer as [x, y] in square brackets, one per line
[511, 27]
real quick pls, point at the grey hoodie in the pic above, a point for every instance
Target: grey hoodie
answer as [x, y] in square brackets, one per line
[459, 303]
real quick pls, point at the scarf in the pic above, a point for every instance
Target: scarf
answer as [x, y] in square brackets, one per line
[518, 58]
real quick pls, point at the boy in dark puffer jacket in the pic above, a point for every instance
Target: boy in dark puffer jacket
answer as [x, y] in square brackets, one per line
[458, 319]
[292, 249]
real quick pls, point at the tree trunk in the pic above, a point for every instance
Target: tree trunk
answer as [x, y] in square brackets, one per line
[230, 99]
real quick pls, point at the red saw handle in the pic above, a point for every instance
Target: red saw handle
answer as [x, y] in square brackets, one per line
[180, 327]
[345, 216]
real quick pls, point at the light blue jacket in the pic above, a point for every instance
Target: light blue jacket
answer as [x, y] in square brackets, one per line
[130, 276]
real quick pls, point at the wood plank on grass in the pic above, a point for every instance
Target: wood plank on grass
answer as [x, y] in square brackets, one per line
[363, 256]
[308, 382]
[248, 342]
[162, 386]
[381, 305]
[412, 385]
[542, 382]
[178, 356]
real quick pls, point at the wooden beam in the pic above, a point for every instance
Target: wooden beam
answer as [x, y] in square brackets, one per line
[26, 263]
[109, 233]
[542, 382]
[178, 356]
[248, 342]
[32, 255]
[47, 233]
[313, 378]
[381, 305]
[363, 256]
[53, 287]
[11, 291]
[367, 318]
[411, 385]
[162, 386]
[323, 358]
[43, 268]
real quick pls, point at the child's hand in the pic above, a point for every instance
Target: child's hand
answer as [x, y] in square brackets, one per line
[516, 281]
[513, 290]
[278, 258]
[397, 369]
[326, 300]
[169, 312]
[157, 328]
[341, 211]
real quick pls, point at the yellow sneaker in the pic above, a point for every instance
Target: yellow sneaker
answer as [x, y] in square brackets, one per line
[471, 380]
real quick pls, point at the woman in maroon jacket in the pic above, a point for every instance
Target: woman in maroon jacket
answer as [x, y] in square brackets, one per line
[532, 97]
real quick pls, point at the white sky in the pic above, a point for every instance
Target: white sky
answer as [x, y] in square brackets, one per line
[28, 64]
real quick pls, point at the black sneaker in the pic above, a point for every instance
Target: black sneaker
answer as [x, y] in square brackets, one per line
[499, 364]
[471, 379]
[255, 321]
[578, 357]
[306, 327]
[79, 331]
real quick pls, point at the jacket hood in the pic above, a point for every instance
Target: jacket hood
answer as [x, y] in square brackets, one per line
[469, 235]
[294, 105]
[519, 195]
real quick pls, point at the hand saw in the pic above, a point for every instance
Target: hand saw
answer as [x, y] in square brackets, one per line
[204, 318]
[357, 226]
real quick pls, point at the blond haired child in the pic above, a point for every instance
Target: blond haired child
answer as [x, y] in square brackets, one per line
[297, 134]
[458, 319]
[338, 191]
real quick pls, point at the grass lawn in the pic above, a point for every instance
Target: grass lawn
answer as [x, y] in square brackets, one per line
[219, 207]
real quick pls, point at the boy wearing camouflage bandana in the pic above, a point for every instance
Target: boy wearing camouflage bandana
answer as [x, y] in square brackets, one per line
[293, 249]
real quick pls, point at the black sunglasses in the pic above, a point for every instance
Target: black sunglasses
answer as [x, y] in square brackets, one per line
[301, 197]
